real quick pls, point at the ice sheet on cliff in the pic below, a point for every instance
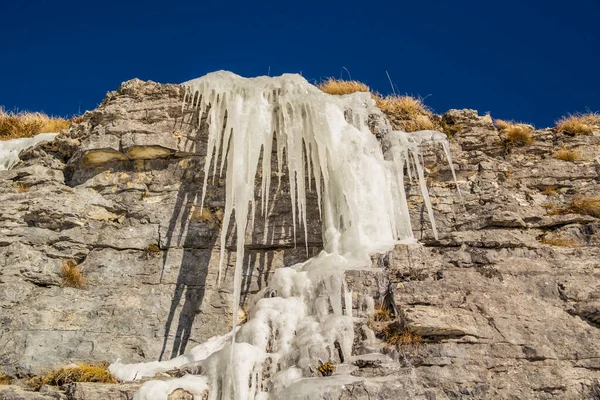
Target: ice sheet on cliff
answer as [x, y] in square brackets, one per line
[363, 211]
[10, 149]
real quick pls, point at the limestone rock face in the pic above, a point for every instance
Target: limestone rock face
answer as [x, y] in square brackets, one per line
[504, 309]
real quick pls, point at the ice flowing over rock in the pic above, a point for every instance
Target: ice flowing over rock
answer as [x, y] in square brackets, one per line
[10, 149]
[299, 319]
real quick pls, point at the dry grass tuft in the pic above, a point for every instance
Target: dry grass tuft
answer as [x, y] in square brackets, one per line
[586, 205]
[382, 314]
[341, 87]
[21, 187]
[71, 275]
[516, 134]
[579, 124]
[152, 251]
[5, 379]
[28, 124]
[394, 335]
[406, 112]
[550, 191]
[560, 241]
[392, 332]
[326, 369]
[97, 373]
[213, 218]
[566, 155]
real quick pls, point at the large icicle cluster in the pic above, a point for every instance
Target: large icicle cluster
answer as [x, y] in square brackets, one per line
[305, 314]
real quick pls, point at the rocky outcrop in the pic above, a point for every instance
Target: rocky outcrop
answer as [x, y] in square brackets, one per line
[502, 311]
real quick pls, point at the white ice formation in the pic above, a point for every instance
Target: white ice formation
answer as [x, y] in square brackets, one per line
[305, 314]
[10, 149]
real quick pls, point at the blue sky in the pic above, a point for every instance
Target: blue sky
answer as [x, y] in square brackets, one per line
[531, 61]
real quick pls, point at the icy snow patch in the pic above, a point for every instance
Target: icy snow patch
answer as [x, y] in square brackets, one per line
[10, 149]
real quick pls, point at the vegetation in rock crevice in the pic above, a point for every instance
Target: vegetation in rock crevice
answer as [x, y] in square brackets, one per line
[72, 275]
[97, 373]
[391, 331]
[583, 205]
[515, 133]
[5, 379]
[152, 251]
[566, 154]
[579, 124]
[560, 241]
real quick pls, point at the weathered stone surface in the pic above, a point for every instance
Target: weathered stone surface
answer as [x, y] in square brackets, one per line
[502, 314]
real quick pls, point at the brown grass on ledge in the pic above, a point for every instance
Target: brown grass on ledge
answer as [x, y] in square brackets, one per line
[566, 155]
[405, 112]
[28, 124]
[341, 87]
[516, 134]
[579, 124]
[72, 275]
[586, 205]
[97, 373]
[550, 191]
[560, 242]
[5, 379]
[395, 335]
[21, 187]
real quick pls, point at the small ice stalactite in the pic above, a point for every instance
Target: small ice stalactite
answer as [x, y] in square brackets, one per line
[305, 314]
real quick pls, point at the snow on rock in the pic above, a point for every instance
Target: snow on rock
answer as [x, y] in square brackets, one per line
[10, 149]
[299, 319]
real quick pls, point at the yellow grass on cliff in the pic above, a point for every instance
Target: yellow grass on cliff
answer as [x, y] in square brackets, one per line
[516, 133]
[405, 112]
[75, 373]
[579, 124]
[28, 124]
[341, 87]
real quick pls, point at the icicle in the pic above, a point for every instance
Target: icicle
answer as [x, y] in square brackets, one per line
[446, 148]
[424, 191]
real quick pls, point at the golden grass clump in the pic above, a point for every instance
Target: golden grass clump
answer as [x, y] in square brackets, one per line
[21, 187]
[406, 112]
[28, 124]
[579, 124]
[586, 205]
[326, 369]
[560, 241]
[152, 251]
[550, 191]
[71, 275]
[5, 379]
[392, 332]
[566, 155]
[516, 134]
[212, 217]
[97, 373]
[382, 314]
[341, 86]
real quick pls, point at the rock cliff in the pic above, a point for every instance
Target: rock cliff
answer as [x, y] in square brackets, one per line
[506, 300]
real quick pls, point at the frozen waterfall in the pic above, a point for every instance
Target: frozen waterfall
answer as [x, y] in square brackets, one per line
[363, 208]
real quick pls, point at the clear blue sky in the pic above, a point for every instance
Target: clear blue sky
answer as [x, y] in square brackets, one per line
[528, 60]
